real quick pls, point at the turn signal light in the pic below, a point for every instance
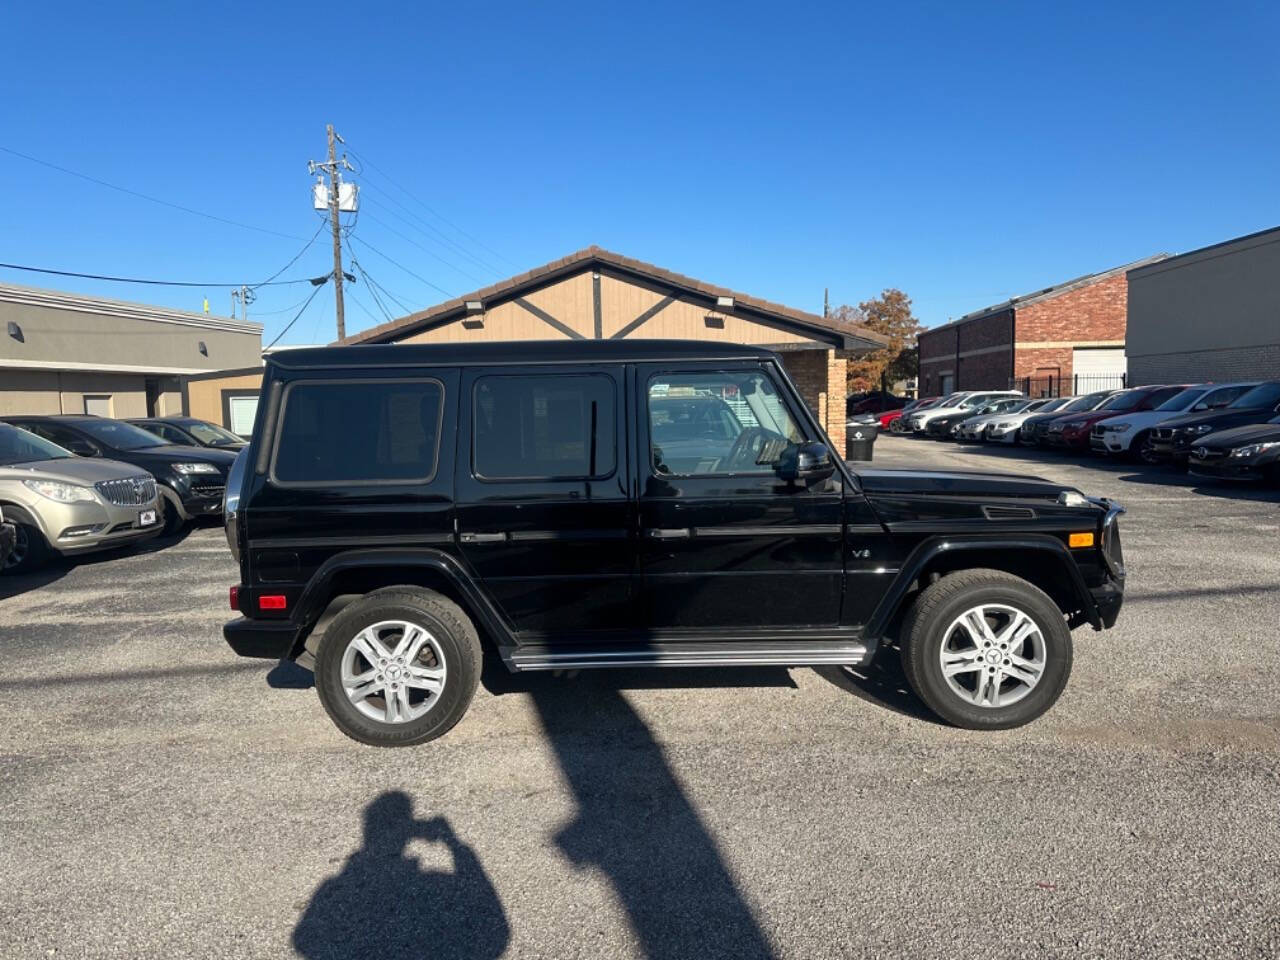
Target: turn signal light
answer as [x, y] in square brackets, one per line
[1080, 539]
[234, 598]
[271, 601]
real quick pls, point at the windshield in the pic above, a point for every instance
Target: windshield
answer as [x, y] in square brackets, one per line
[211, 435]
[122, 436]
[1183, 399]
[1263, 395]
[19, 446]
[1056, 404]
[1124, 401]
[1086, 402]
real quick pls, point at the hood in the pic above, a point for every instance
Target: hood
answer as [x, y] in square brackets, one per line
[178, 453]
[1226, 417]
[1239, 436]
[1087, 416]
[956, 483]
[81, 470]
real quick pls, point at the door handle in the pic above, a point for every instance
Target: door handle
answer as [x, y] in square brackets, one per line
[482, 537]
[669, 533]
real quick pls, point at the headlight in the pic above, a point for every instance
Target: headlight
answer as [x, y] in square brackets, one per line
[1002, 426]
[1199, 428]
[1116, 427]
[956, 428]
[1253, 449]
[62, 492]
[189, 468]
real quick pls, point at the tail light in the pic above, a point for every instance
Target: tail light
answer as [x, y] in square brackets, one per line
[234, 598]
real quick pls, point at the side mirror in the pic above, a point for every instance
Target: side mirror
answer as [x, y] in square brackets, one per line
[805, 463]
[82, 448]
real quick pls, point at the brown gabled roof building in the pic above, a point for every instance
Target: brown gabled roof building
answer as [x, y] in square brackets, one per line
[597, 294]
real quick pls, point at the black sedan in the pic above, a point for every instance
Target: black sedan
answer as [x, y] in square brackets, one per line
[191, 479]
[1174, 439]
[191, 432]
[1243, 453]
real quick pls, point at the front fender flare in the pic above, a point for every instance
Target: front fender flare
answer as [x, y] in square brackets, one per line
[930, 549]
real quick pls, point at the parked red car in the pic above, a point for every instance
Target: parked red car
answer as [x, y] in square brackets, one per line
[894, 415]
[1073, 430]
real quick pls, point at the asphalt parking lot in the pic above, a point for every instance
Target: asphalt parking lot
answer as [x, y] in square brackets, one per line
[163, 799]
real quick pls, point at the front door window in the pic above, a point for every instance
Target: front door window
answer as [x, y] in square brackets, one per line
[730, 423]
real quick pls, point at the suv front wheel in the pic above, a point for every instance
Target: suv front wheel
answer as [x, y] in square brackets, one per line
[398, 667]
[986, 650]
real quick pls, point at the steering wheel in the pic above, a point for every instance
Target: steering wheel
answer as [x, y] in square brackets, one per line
[746, 447]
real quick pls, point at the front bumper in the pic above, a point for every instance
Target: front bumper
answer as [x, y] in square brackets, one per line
[204, 497]
[260, 639]
[1227, 468]
[1108, 599]
[88, 526]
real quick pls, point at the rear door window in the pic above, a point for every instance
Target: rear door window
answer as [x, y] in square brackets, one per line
[358, 432]
[544, 427]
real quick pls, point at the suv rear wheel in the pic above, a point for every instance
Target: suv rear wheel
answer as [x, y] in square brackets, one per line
[986, 650]
[398, 667]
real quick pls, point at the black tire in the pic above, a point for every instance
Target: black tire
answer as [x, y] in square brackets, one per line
[926, 628]
[1139, 446]
[30, 550]
[455, 636]
[170, 519]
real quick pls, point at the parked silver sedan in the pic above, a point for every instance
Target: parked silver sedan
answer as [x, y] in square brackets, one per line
[59, 503]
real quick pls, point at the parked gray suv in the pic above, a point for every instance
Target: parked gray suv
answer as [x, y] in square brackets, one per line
[64, 504]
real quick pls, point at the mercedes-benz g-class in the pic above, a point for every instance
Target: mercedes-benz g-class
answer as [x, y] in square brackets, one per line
[405, 510]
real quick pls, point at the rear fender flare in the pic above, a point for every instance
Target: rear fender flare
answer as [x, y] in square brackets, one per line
[930, 549]
[318, 592]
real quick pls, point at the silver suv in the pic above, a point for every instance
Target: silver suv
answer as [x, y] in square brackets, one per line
[64, 504]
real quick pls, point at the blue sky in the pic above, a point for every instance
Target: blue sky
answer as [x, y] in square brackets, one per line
[961, 153]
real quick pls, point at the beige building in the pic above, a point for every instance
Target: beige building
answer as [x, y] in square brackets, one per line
[69, 353]
[595, 294]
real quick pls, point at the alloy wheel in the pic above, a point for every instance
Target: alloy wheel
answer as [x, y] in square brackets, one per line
[993, 655]
[393, 671]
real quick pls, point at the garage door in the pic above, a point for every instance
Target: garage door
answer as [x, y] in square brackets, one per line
[242, 410]
[1097, 368]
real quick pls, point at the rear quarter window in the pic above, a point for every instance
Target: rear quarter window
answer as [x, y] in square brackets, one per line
[358, 432]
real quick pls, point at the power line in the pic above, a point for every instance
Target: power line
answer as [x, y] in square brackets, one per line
[297, 256]
[369, 283]
[387, 226]
[391, 296]
[396, 263]
[295, 317]
[435, 235]
[361, 305]
[429, 209]
[153, 283]
[143, 196]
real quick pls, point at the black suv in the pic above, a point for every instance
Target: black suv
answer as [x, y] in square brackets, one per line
[191, 480]
[577, 504]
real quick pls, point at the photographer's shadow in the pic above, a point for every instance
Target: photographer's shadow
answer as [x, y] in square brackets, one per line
[383, 904]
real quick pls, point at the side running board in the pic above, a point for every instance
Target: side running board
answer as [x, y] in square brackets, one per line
[790, 653]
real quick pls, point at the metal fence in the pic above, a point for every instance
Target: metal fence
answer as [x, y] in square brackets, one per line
[1073, 386]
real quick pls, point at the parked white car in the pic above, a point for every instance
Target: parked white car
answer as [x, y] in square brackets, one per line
[957, 403]
[1128, 433]
[1004, 428]
[975, 428]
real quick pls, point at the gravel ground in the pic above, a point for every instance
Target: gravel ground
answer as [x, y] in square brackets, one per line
[160, 798]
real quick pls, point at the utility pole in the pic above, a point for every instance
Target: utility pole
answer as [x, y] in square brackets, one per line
[332, 167]
[244, 296]
[826, 303]
[337, 235]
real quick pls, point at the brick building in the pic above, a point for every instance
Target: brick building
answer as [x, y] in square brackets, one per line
[1211, 314]
[1063, 339]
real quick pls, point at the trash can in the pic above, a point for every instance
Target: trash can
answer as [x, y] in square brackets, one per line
[860, 440]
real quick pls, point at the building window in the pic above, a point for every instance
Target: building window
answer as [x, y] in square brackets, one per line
[97, 404]
[544, 428]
